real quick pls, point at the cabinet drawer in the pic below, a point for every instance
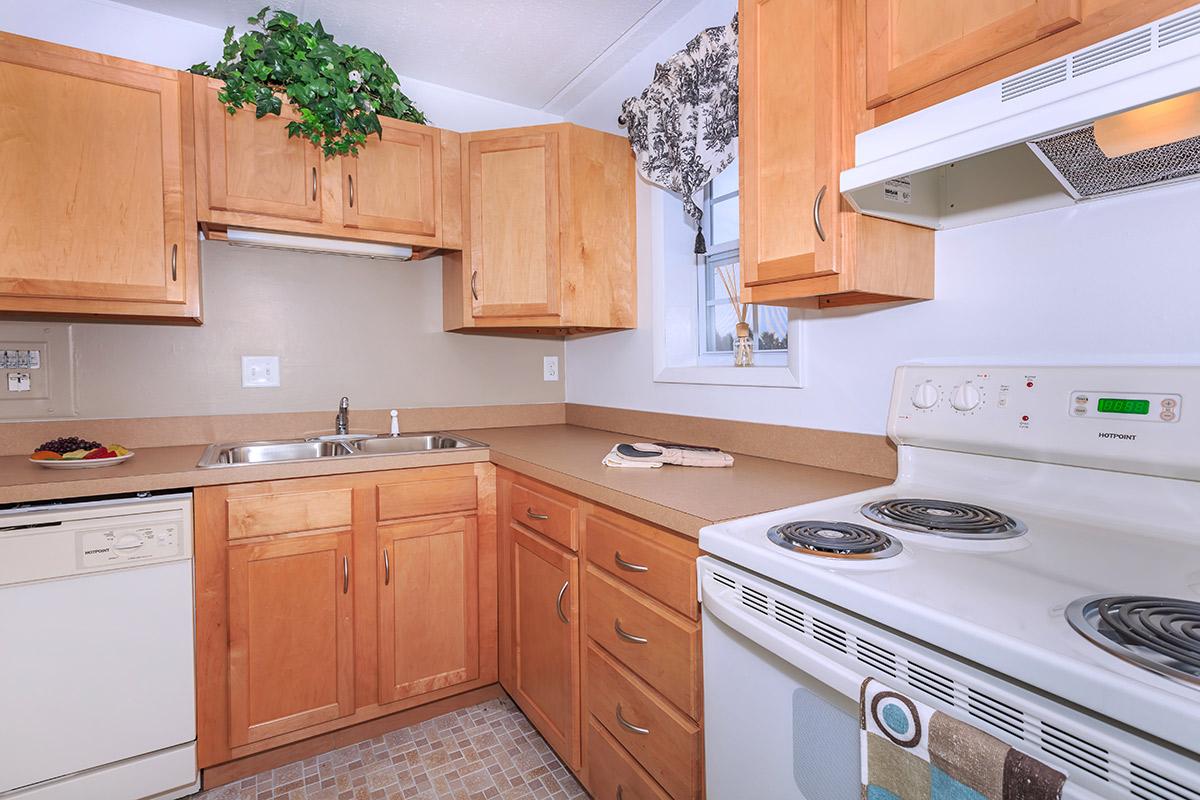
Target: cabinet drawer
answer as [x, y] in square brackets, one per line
[663, 741]
[288, 512]
[550, 513]
[426, 494]
[612, 773]
[659, 563]
[668, 653]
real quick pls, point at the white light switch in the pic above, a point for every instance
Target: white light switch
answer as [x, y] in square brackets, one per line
[19, 382]
[260, 371]
[550, 368]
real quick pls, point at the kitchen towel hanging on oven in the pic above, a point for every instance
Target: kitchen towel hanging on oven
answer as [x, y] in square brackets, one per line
[682, 127]
[912, 752]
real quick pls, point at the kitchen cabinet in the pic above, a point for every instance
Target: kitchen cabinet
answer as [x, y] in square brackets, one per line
[428, 606]
[96, 211]
[632, 657]
[326, 602]
[549, 233]
[402, 187]
[920, 52]
[800, 68]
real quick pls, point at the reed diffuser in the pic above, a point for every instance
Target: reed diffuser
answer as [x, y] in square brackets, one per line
[743, 348]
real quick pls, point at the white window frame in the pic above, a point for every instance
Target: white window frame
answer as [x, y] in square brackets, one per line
[788, 375]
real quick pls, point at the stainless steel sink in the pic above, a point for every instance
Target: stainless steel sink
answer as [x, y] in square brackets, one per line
[282, 450]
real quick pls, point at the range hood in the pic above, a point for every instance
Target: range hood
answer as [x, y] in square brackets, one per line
[1089, 125]
[246, 237]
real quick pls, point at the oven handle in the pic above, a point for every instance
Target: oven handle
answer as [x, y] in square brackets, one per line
[722, 602]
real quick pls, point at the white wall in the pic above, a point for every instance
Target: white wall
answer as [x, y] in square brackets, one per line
[1115, 281]
[341, 326]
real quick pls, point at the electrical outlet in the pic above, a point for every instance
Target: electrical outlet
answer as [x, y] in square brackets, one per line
[260, 371]
[550, 368]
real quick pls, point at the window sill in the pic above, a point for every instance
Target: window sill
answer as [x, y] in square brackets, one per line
[781, 377]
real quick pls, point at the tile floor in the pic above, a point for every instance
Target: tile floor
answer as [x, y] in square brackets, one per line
[485, 752]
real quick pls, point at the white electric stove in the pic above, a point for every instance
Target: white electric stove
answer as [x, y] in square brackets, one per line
[1034, 570]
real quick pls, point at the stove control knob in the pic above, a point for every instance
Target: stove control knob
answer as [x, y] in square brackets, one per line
[925, 395]
[965, 397]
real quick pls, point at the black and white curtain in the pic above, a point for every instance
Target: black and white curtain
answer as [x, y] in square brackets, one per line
[683, 126]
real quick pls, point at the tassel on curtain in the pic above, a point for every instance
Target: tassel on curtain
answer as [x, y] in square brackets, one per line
[683, 126]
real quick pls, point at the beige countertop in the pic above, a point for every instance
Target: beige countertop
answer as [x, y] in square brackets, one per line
[680, 498]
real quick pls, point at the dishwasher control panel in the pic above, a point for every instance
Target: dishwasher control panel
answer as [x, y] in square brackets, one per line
[123, 544]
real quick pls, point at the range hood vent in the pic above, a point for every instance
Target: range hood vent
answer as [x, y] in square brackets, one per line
[1079, 162]
[1028, 143]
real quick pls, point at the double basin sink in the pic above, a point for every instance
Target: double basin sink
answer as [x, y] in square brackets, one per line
[284, 450]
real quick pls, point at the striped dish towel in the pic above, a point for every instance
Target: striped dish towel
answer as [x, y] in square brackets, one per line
[912, 752]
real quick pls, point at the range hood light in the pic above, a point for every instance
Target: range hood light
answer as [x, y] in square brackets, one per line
[243, 237]
[1154, 125]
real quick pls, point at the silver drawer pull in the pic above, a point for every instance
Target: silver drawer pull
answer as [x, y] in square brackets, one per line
[474, 290]
[345, 574]
[314, 173]
[387, 568]
[529, 512]
[817, 213]
[629, 637]
[174, 262]
[620, 792]
[350, 182]
[626, 565]
[558, 603]
[629, 726]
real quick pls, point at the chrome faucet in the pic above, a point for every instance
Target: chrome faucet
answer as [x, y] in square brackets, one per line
[341, 424]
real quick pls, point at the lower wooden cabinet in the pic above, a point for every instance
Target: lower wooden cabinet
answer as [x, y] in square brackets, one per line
[291, 635]
[313, 615]
[600, 640]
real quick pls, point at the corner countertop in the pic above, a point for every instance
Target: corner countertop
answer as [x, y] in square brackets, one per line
[682, 499]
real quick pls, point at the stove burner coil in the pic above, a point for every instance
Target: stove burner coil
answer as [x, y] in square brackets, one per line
[944, 518]
[1158, 633]
[834, 539]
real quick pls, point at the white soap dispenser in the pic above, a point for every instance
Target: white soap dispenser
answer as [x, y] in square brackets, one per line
[395, 422]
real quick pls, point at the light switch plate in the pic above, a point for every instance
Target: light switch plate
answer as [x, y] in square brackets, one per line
[550, 368]
[259, 372]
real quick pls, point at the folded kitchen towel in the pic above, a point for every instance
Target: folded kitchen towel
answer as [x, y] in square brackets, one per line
[912, 752]
[646, 455]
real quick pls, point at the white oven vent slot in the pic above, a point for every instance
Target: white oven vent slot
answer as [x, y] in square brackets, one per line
[1182, 27]
[1002, 718]
[1034, 80]
[1104, 55]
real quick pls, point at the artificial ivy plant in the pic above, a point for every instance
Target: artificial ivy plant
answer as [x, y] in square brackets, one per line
[338, 89]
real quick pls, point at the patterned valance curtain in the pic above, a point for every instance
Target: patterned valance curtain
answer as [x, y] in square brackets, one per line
[683, 126]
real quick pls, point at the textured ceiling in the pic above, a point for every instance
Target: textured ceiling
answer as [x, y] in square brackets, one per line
[522, 51]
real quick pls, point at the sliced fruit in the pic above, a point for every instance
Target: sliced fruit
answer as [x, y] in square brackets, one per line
[76, 454]
[119, 449]
[100, 452]
[46, 455]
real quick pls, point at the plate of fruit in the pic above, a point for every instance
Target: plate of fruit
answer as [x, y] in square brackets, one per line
[71, 452]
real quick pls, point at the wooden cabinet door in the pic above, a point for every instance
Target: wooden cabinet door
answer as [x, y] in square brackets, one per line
[545, 680]
[254, 166]
[291, 634]
[92, 184]
[914, 43]
[513, 195]
[788, 139]
[428, 606]
[394, 184]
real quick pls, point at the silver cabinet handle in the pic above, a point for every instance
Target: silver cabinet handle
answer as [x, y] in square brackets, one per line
[817, 213]
[174, 262]
[558, 603]
[620, 792]
[629, 726]
[350, 180]
[314, 171]
[529, 512]
[345, 574]
[474, 291]
[629, 637]
[387, 568]
[628, 565]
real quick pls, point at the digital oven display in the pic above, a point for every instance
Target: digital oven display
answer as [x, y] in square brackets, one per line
[1112, 405]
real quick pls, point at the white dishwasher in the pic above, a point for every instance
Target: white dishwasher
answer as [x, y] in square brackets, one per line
[97, 688]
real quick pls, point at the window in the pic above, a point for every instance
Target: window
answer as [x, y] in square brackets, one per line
[716, 317]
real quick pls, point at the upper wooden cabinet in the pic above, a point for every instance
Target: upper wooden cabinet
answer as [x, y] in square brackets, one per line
[401, 188]
[800, 243]
[96, 216]
[549, 241]
[920, 52]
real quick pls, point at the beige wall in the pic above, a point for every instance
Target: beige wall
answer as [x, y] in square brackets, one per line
[341, 326]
